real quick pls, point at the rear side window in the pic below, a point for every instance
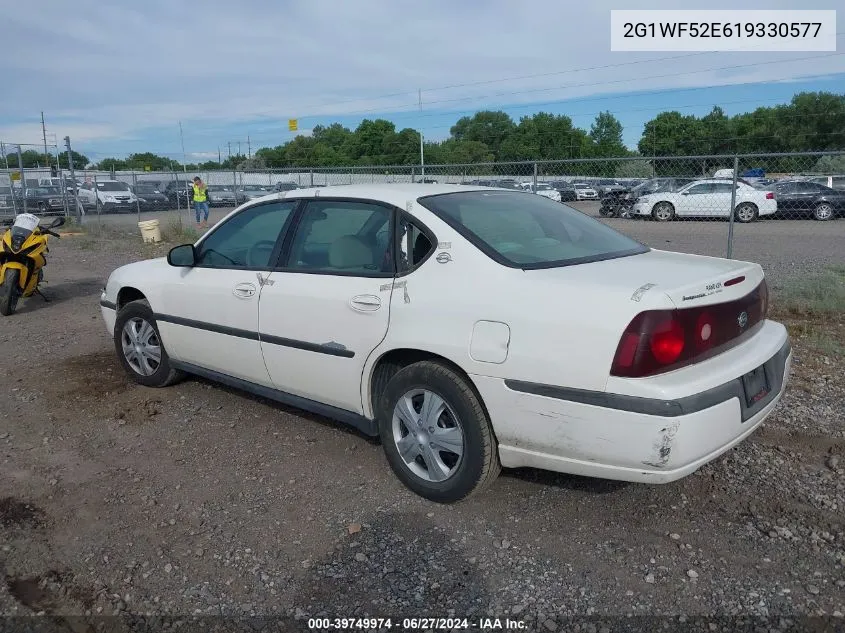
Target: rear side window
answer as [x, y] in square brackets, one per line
[838, 182]
[529, 231]
[414, 245]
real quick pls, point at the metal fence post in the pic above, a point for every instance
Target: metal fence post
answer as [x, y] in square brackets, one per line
[135, 191]
[312, 177]
[23, 178]
[80, 211]
[535, 177]
[98, 205]
[732, 209]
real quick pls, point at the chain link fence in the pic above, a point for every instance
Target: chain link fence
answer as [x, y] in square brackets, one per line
[763, 207]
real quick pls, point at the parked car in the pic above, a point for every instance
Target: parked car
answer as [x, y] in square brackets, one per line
[802, 198]
[542, 189]
[7, 202]
[834, 182]
[605, 186]
[150, 198]
[583, 191]
[178, 192]
[42, 200]
[654, 363]
[506, 183]
[252, 192]
[620, 203]
[112, 196]
[285, 186]
[222, 196]
[707, 198]
[566, 190]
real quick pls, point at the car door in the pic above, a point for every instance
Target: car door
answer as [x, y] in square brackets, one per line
[719, 199]
[786, 194]
[328, 307]
[209, 312]
[695, 200]
[806, 194]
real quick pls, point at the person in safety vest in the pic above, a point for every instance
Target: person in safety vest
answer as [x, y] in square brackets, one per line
[199, 195]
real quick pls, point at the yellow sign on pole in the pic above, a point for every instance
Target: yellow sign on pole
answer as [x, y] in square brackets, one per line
[147, 168]
[293, 125]
[15, 175]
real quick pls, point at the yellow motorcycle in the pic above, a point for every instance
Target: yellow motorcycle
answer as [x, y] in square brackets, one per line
[23, 251]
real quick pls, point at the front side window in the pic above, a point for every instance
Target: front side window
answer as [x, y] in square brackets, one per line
[247, 239]
[343, 237]
[529, 231]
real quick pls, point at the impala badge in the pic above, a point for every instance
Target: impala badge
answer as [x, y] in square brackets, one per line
[742, 320]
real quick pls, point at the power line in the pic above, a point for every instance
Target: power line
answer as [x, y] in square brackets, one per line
[531, 76]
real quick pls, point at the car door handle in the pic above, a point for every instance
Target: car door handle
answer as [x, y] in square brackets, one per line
[365, 303]
[244, 290]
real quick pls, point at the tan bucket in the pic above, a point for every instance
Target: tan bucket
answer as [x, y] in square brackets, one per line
[150, 231]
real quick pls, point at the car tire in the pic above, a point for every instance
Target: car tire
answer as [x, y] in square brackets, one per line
[823, 212]
[461, 416]
[137, 317]
[663, 212]
[746, 212]
[42, 207]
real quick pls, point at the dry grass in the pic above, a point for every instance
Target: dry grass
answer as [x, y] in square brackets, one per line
[818, 296]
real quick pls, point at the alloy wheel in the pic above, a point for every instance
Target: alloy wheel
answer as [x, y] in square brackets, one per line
[141, 346]
[428, 435]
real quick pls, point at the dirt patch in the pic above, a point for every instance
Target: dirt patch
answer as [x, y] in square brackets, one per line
[95, 376]
[17, 513]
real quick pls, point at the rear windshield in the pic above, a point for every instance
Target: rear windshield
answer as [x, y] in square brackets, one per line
[529, 231]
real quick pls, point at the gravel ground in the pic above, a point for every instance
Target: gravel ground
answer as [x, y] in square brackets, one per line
[197, 500]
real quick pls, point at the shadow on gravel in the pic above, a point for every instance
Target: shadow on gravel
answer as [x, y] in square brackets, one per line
[305, 415]
[397, 565]
[57, 293]
[17, 513]
[569, 482]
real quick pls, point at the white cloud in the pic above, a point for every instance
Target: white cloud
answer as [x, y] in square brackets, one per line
[110, 71]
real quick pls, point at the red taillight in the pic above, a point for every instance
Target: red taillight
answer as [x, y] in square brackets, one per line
[667, 341]
[657, 341]
[770, 195]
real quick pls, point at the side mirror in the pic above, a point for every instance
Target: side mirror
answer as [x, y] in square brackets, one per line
[685, 193]
[57, 222]
[183, 255]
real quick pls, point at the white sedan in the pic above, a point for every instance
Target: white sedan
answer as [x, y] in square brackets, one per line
[542, 189]
[469, 327]
[708, 198]
[583, 191]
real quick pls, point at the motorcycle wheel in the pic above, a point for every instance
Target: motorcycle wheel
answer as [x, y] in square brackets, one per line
[9, 292]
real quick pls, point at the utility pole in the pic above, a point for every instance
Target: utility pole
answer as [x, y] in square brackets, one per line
[422, 151]
[44, 135]
[239, 148]
[248, 147]
[230, 149]
[11, 182]
[219, 157]
[184, 157]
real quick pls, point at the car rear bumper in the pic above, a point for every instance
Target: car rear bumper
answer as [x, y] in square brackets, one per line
[624, 437]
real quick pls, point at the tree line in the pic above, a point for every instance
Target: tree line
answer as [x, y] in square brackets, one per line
[811, 121]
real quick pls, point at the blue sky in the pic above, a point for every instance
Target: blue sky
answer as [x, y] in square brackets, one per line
[118, 78]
